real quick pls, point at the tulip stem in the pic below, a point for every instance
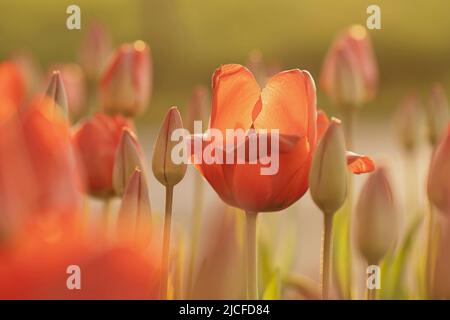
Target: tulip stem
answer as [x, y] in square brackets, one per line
[166, 243]
[342, 243]
[348, 116]
[197, 210]
[326, 254]
[252, 275]
[431, 245]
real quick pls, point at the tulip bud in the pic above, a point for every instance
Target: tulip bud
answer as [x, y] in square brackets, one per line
[135, 210]
[129, 156]
[126, 84]
[408, 116]
[328, 176]
[95, 49]
[73, 78]
[197, 106]
[438, 175]
[165, 170]
[376, 217]
[437, 114]
[57, 92]
[350, 75]
[96, 140]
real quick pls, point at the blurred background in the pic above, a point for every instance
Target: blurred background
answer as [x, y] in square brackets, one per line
[189, 39]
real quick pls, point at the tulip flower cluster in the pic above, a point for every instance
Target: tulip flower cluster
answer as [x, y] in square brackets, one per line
[63, 150]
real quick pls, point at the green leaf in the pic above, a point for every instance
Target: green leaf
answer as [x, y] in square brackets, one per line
[394, 265]
[304, 287]
[273, 289]
[342, 258]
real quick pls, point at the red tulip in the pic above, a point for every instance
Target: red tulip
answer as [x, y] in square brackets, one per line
[287, 103]
[126, 84]
[96, 140]
[12, 83]
[95, 49]
[350, 74]
[439, 175]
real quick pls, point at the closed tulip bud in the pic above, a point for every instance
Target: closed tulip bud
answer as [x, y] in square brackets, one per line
[96, 140]
[406, 120]
[438, 175]
[57, 92]
[437, 114]
[129, 156]
[350, 74]
[135, 210]
[95, 49]
[328, 176]
[126, 84]
[165, 170]
[197, 107]
[74, 84]
[376, 217]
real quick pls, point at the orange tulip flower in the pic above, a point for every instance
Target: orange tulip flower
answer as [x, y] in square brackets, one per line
[350, 73]
[37, 266]
[287, 103]
[96, 140]
[54, 163]
[18, 190]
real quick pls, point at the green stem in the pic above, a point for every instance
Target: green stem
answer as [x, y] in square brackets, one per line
[252, 275]
[326, 255]
[197, 210]
[166, 243]
[411, 184]
[348, 117]
[342, 241]
[429, 248]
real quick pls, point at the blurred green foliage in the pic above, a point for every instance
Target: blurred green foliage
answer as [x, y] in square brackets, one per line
[190, 38]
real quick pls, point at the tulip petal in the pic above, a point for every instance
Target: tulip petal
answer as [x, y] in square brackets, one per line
[288, 104]
[213, 173]
[359, 163]
[322, 124]
[235, 93]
